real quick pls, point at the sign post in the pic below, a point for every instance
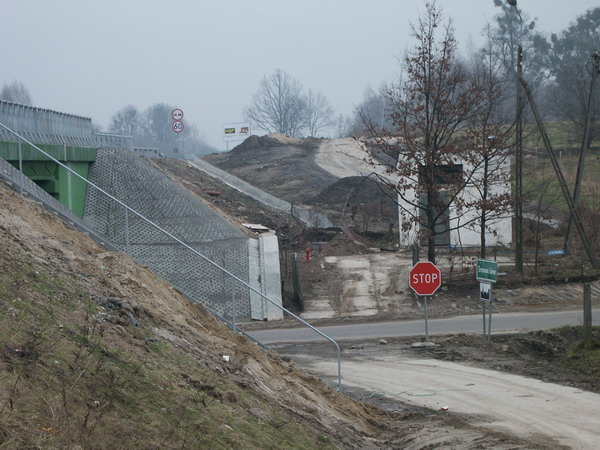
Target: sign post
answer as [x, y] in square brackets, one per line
[425, 278]
[235, 132]
[487, 274]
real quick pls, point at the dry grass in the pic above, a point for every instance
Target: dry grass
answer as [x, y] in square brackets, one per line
[67, 378]
[539, 173]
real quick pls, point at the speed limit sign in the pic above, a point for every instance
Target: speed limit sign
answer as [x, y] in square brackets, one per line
[177, 126]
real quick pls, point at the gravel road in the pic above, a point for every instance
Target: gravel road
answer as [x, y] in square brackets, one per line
[544, 413]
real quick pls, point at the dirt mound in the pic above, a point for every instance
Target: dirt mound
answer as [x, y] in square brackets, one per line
[281, 166]
[285, 167]
[269, 140]
[234, 206]
[355, 190]
[341, 245]
[361, 201]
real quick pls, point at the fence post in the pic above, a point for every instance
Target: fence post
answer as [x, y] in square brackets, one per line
[127, 249]
[233, 306]
[587, 316]
[415, 253]
[484, 329]
[20, 166]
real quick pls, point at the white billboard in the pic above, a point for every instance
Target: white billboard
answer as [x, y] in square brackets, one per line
[236, 131]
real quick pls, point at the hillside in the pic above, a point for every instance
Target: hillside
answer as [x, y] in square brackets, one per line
[97, 352]
[296, 170]
[278, 164]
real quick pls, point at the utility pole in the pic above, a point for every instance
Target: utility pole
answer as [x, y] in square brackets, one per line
[519, 151]
[519, 166]
[585, 145]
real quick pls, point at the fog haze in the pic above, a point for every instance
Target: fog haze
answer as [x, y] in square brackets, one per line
[93, 58]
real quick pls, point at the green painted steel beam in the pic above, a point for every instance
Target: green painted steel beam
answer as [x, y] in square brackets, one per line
[55, 180]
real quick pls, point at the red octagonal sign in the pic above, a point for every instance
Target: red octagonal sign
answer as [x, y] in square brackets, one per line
[425, 278]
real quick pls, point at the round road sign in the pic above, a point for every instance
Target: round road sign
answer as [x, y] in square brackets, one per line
[177, 126]
[425, 278]
[177, 114]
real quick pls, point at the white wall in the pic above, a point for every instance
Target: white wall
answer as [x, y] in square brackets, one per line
[500, 229]
[265, 277]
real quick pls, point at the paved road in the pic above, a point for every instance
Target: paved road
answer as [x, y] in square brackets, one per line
[508, 322]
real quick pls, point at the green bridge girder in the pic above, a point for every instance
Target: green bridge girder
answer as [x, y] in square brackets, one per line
[67, 188]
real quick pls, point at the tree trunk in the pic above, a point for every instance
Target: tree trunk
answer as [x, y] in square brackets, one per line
[484, 208]
[482, 236]
[430, 229]
[431, 249]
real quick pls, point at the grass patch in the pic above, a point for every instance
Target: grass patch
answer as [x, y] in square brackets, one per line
[539, 171]
[572, 353]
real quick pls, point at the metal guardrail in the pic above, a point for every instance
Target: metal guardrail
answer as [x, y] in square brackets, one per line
[46, 126]
[113, 140]
[232, 277]
[308, 217]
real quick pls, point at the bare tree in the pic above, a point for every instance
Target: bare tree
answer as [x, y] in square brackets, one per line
[127, 122]
[489, 187]
[153, 128]
[375, 107]
[343, 126]
[430, 110]
[157, 123]
[319, 113]
[278, 106]
[510, 29]
[192, 144]
[16, 92]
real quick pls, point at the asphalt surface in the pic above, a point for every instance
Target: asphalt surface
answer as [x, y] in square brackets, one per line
[501, 323]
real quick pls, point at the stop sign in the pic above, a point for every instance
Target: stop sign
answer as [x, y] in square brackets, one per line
[425, 278]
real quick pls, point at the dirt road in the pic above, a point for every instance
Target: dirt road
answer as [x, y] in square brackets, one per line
[342, 158]
[346, 158]
[544, 413]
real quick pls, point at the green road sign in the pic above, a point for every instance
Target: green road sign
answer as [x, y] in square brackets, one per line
[487, 270]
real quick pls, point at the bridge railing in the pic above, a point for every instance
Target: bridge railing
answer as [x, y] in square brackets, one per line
[113, 140]
[228, 278]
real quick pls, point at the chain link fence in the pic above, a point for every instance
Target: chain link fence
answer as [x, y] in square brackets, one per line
[165, 206]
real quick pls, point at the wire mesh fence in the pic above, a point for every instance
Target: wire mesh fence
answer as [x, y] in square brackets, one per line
[161, 205]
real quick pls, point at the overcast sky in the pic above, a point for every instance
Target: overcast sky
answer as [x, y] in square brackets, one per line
[93, 57]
